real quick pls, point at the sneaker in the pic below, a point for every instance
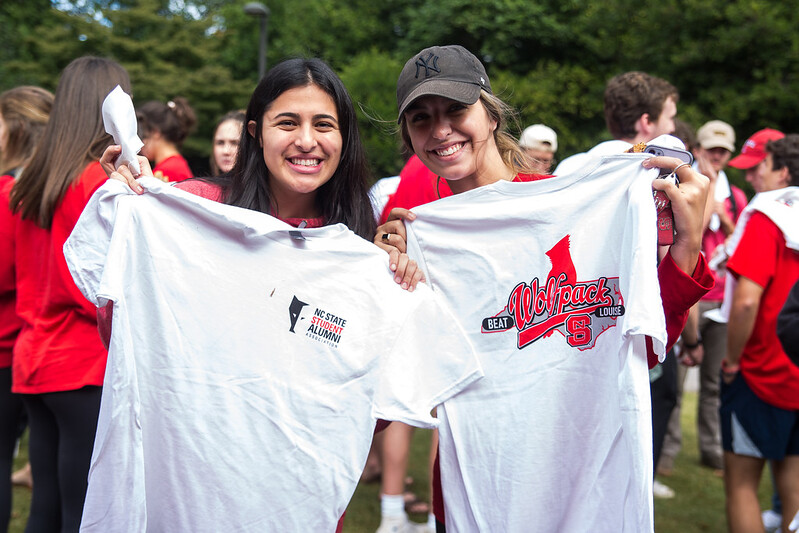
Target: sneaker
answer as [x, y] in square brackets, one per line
[400, 524]
[662, 491]
[772, 521]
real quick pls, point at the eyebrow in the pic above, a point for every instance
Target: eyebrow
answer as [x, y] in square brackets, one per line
[296, 116]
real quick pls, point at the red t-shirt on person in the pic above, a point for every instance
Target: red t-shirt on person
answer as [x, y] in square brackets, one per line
[59, 348]
[762, 257]
[10, 323]
[173, 168]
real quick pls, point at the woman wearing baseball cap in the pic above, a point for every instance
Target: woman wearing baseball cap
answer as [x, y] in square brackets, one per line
[451, 119]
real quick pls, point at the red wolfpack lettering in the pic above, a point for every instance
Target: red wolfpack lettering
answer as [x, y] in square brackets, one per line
[560, 303]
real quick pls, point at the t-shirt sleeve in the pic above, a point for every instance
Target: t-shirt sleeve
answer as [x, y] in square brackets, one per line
[87, 248]
[755, 257]
[430, 360]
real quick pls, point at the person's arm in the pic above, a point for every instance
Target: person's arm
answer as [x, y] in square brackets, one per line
[688, 201]
[788, 325]
[743, 312]
[692, 350]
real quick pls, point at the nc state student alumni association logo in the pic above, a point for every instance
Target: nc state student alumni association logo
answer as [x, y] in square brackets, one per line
[578, 310]
[325, 327]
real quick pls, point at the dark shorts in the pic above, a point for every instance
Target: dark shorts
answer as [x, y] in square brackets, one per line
[752, 427]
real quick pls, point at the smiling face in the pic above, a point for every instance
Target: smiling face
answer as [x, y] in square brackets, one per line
[302, 146]
[226, 144]
[454, 140]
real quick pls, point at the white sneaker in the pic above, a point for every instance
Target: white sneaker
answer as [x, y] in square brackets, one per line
[662, 491]
[400, 524]
[771, 520]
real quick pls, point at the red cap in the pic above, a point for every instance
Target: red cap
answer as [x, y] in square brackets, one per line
[754, 149]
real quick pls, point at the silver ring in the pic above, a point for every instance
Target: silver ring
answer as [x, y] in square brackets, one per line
[678, 167]
[385, 237]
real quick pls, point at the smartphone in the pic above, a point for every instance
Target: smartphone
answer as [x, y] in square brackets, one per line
[683, 155]
[665, 220]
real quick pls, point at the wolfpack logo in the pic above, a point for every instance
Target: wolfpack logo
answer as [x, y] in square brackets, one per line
[424, 62]
[294, 312]
[578, 310]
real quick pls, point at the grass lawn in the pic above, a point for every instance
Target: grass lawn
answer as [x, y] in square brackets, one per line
[697, 508]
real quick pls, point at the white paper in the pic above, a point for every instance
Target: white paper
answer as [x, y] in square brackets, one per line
[119, 119]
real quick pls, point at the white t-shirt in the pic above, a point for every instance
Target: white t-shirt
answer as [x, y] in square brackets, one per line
[555, 283]
[247, 367]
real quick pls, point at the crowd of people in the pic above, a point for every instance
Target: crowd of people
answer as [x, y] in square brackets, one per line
[146, 344]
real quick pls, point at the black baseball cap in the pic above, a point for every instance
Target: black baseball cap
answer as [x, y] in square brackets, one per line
[449, 71]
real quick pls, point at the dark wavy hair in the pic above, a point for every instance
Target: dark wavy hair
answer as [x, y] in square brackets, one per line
[632, 94]
[345, 197]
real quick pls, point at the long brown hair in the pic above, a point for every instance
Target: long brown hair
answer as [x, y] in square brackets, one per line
[24, 111]
[73, 137]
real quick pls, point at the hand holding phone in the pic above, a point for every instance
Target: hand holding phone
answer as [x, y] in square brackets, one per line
[665, 216]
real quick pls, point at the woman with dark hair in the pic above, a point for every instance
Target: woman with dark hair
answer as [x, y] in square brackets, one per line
[163, 127]
[301, 160]
[23, 115]
[225, 143]
[59, 360]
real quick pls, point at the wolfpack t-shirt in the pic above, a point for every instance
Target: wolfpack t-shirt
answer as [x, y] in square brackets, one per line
[248, 363]
[555, 283]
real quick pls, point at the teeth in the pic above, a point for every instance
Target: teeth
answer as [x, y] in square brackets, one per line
[305, 162]
[451, 150]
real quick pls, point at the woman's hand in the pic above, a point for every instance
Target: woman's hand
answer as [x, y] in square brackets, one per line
[123, 173]
[391, 237]
[688, 205]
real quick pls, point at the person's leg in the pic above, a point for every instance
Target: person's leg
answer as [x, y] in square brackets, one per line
[76, 415]
[786, 474]
[45, 511]
[663, 391]
[394, 455]
[741, 479]
[10, 413]
[714, 342]
[672, 441]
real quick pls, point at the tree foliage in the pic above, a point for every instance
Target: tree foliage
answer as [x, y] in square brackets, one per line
[736, 60]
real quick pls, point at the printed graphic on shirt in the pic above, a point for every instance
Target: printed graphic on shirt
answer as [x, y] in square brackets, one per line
[294, 312]
[578, 310]
[325, 327]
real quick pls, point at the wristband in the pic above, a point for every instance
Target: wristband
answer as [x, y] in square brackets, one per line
[691, 345]
[729, 368]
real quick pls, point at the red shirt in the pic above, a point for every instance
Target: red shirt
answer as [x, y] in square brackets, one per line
[712, 239]
[761, 256]
[174, 168]
[59, 347]
[10, 324]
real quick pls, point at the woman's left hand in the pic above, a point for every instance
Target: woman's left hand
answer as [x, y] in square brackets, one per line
[688, 206]
[391, 237]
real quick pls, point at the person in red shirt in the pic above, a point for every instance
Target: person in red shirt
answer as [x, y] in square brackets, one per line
[450, 119]
[23, 115]
[163, 127]
[760, 390]
[59, 360]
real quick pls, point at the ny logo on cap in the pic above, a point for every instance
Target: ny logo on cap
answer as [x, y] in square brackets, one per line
[425, 64]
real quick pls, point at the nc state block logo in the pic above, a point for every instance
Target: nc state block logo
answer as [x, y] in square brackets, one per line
[579, 310]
